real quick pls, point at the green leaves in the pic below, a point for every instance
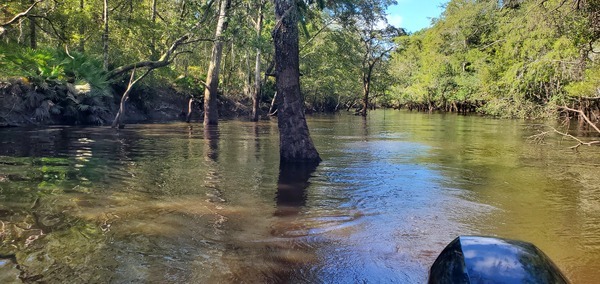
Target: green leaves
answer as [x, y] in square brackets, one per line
[518, 60]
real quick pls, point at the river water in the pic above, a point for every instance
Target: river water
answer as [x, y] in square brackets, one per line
[177, 203]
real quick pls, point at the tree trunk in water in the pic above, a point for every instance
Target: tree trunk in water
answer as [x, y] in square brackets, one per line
[367, 75]
[211, 113]
[365, 99]
[257, 87]
[105, 36]
[295, 144]
[188, 117]
[119, 117]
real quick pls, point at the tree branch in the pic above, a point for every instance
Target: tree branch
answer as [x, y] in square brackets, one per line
[21, 15]
[117, 121]
[51, 26]
[538, 138]
[169, 55]
[587, 120]
[316, 34]
[17, 17]
[164, 60]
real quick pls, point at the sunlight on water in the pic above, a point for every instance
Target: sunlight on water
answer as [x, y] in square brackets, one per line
[177, 203]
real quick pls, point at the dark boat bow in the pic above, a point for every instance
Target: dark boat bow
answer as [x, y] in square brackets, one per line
[474, 259]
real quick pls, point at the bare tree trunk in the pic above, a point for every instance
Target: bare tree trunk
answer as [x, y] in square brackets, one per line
[365, 99]
[257, 81]
[153, 51]
[367, 75]
[211, 112]
[32, 31]
[153, 17]
[119, 117]
[81, 28]
[105, 36]
[189, 113]
[295, 144]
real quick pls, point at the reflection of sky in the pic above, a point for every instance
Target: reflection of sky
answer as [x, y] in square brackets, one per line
[401, 215]
[83, 151]
[493, 258]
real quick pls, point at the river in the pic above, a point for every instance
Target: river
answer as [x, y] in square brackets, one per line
[177, 203]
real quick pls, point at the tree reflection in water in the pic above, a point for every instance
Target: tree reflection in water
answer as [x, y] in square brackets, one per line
[291, 187]
[211, 136]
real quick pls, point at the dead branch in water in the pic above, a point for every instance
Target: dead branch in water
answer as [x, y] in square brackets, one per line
[538, 138]
[582, 115]
[119, 117]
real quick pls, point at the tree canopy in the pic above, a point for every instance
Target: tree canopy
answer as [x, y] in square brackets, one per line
[506, 58]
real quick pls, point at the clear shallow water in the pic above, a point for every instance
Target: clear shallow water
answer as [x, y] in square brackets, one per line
[170, 204]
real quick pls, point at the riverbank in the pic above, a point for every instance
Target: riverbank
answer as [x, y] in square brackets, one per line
[53, 102]
[26, 103]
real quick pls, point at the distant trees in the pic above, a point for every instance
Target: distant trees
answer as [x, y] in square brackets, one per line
[376, 37]
[121, 33]
[507, 58]
[513, 58]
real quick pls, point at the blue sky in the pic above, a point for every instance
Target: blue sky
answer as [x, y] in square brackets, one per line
[414, 15]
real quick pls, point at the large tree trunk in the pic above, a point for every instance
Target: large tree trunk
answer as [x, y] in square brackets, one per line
[211, 113]
[295, 144]
[257, 81]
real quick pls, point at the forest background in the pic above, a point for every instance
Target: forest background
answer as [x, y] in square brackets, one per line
[71, 61]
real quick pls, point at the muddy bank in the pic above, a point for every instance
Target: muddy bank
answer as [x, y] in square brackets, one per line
[25, 103]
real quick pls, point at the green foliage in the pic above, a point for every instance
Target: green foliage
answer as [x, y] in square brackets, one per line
[48, 64]
[84, 69]
[515, 61]
[588, 87]
[73, 87]
[26, 62]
